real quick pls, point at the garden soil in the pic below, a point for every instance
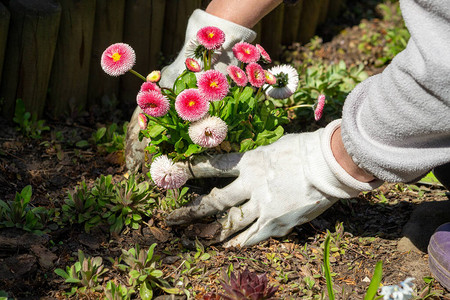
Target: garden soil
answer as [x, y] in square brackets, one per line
[391, 224]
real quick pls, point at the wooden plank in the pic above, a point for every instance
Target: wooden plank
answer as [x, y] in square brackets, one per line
[70, 73]
[323, 11]
[258, 29]
[291, 21]
[170, 29]
[175, 23]
[30, 47]
[4, 25]
[272, 29]
[334, 8]
[108, 29]
[137, 33]
[308, 20]
[205, 4]
[156, 37]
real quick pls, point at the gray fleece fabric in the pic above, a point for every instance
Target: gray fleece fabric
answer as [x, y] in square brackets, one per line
[396, 125]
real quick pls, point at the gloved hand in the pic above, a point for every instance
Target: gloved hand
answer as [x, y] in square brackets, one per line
[279, 186]
[234, 33]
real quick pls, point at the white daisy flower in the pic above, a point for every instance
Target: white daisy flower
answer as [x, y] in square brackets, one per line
[166, 174]
[287, 82]
[208, 132]
[195, 50]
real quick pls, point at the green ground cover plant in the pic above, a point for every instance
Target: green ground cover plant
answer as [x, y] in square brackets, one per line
[20, 213]
[27, 123]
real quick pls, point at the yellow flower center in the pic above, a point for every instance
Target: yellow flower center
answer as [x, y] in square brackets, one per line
[116, 56]
[213, 84]
[238, 75]
[211, 35]
[247, 51]
[191, 103]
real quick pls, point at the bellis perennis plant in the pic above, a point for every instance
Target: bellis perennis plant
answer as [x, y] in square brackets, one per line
[206, 109]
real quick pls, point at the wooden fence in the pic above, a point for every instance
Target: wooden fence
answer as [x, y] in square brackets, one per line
[50, 50]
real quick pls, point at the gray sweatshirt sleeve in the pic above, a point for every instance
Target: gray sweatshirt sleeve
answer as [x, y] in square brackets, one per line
[396, 125]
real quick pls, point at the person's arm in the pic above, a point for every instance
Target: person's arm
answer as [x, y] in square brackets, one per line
[396, 125]
[243, 12]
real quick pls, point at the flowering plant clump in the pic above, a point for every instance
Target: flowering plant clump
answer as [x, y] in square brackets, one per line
[206, 109]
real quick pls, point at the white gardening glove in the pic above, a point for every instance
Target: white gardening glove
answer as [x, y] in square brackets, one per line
[234, 33]
[279, 186]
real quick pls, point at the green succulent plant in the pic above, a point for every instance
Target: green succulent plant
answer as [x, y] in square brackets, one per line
[86, 273]
[20, 214]
[143, 273]
[132, 200]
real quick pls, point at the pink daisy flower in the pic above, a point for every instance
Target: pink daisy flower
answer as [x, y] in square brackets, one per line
[150, 86]
[213, 85]
[142, 120]
[245, 52]
[265, 56]
[270, 78]
[118, 59]
[166, 174]
[238, 75]
[192, 65]
[318, 112]
[190, 105]
[255, 75]
[209, 132]
[153, 103]
[211, 37]
[154, 76]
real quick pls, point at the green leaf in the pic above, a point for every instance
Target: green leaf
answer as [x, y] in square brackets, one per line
[190, 80]
[205, 256]
[180, 85]
[179, 145]
[82, 144]
[150, 252]
[134, 274]
[117, 226]
[72, 280]
[155, 130]
[375, 282]
[246, 94]
[192, 149]
[156, 273]
[26, 194]
[267, 137]
[137, 217]
[146, 291]
[99, 134]
[246, 145]
[62, 273]
[326, 265]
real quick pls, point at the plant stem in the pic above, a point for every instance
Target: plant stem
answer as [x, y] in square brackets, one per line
[138, 75]
[209, 59]
[205, 63]
[301, 105]
[258, 93]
